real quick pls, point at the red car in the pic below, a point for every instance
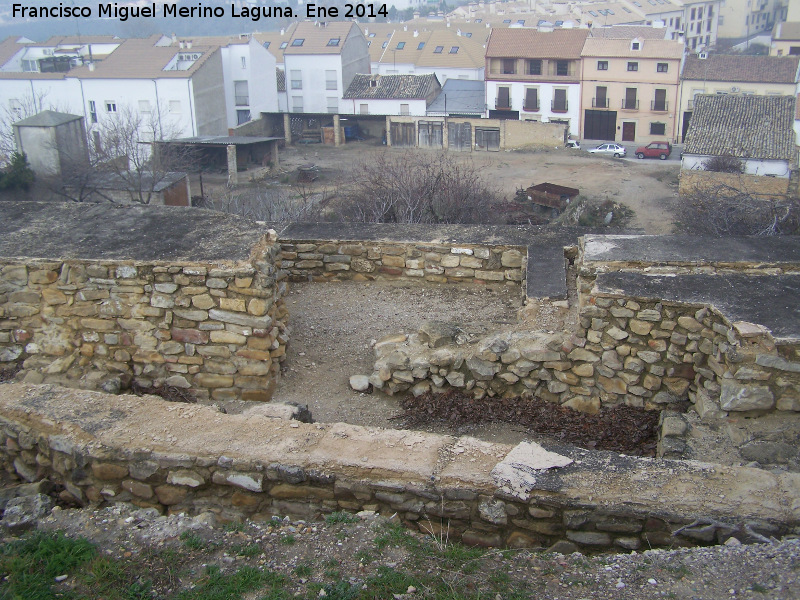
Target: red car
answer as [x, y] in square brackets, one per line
[655, 150]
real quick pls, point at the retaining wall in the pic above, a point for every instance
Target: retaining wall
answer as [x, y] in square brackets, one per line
[189, 458]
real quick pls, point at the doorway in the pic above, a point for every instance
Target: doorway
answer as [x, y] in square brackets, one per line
[628, 131]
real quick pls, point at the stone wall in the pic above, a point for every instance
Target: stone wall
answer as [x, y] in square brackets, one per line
[692, 182]
[320, 260]
[119, 296]
[161, 455]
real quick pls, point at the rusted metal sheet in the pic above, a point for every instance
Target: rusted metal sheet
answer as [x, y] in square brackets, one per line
[551, 195]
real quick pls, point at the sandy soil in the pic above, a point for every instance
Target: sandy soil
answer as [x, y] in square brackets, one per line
[648, 187]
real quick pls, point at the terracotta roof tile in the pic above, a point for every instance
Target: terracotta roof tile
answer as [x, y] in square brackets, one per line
[316, 39]
[391, 87]
[750, 69]
[743, 126]
[621, 48]
[529, 43]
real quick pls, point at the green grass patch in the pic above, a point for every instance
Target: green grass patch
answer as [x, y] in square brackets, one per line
[215, 585]
[340, 516]
[192, 541]
[246, 550]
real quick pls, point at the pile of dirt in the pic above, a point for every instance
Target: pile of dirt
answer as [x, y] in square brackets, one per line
[620, 428]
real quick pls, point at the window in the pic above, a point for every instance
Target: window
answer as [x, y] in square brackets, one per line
[111, 106]
[509, 66]
[174, 106]
[562, 68]
[266, 45]
[531, 99]
[438, 49]
[242, 116]
[636, 45]
[297, 80]
[371, 35]
[384, 44]
[297, 104]
[331, 82]
[633, 66]
[468, 34]
[560, 100]
[144, 106]
[334, 41]
[660, 102]
[401, 45]
[244, 62]
[600, 97]
[630, 102]
[521, 21]
[453, 49]
[677, 22]
[30, 66]
[658, 128]
[333, 105]
[92, 111]
[503, 98]
[534, 67]
[506, 20]
[404, 109]
[298, 42]
[693, 13]
[662, 67]
[284, 44]
[241, 93]
[602, 65]
[420, 46]
[363, 109]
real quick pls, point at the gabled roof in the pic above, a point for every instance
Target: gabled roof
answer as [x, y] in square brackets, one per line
[529, 43]
[273, 40]
[742, 68]
[8, 48]
[460, 96]
[316, 38]
[47, 118]
[391, 87]
[456, 51]
[759, 127]
[142, 59]
[621, 48]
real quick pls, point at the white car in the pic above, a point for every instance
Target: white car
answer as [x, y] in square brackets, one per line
[614, 150]
[574, 144]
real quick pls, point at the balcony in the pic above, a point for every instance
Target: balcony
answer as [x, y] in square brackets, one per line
[534, 107]
[502, 104]
[242, 100]
[630, 104]
[559, 106]
[599, 102]
[659, 106]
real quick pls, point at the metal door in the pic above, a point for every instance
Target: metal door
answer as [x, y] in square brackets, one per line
[487, 138]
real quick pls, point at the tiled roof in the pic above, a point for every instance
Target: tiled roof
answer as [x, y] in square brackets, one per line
[758, 127]
[742, 68]
[468, 53]
[74, 40]
[142, 59]
[275, 39]
[8, 48]
[391, 87]
[628, 32]
[611, 13]
[529, 43]
[646, 7]
[316, 38]
[617, 48]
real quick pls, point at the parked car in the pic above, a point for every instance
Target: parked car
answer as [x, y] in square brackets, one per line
[614, 150]
[655, 150]
[574, 144]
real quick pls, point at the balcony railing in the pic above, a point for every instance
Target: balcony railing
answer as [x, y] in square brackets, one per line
[242, 100]
[599, 102]
[559, 107]
[502, 104]
[630, 104]
[659, 106]
[531, 107]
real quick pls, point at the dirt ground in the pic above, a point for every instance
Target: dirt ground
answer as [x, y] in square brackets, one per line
[648, 187]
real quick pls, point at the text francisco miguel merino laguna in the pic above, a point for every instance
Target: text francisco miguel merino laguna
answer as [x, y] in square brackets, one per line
[198, 11]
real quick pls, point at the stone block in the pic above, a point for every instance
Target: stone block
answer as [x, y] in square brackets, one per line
[735, 396]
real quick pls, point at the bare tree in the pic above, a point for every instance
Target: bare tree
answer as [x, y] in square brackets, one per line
[273, 204]
[724, 164]
[417, 187]
[728, 208]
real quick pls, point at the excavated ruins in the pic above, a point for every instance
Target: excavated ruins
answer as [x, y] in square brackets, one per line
[94, 298]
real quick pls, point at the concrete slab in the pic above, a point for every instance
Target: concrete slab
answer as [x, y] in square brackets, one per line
[123, 232]
[684, 249]
[769, 300]
[546, 275]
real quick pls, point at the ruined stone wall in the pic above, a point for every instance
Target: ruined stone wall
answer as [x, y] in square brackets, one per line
[693, 182]
[216, 329]
[255, 467]
[435, 263]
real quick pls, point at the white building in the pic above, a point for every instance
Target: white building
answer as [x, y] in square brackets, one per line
[390, 95]
[320, 62]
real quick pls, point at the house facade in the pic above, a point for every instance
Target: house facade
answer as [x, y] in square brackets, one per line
[746, 18]
[630, 89]
[535, 75]
[785, 39]
[735, 75]
[320, 62]
[390, 95]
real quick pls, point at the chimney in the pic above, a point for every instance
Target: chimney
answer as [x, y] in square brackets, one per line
[174, 38]
[283, 31]
[181, 44]
[189, 44]
[91, 66]
[416, 33]
[405, 27]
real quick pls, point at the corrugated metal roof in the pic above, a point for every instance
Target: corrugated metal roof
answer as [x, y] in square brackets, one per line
[529, 43]
[391, 87]
[742, 68]
[759, 127]
[460, 96]
[47, 118]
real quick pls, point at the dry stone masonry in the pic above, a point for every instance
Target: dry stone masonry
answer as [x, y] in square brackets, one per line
[216, 328]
